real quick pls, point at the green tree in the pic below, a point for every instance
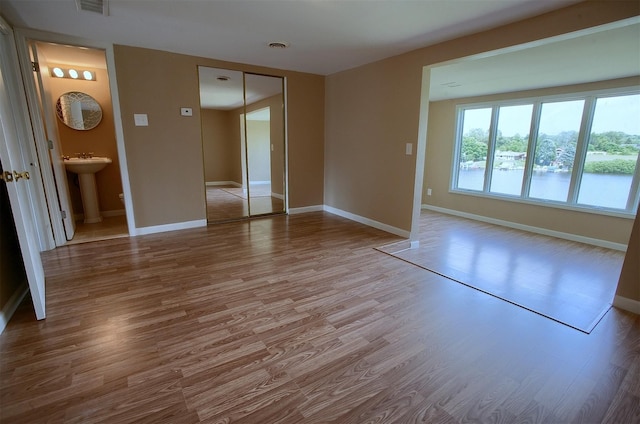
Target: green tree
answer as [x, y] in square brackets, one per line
[545, 151]
[616, 166]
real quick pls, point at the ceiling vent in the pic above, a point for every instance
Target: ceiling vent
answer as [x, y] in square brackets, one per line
[95, 6]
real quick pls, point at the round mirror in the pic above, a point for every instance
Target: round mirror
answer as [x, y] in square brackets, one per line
[78, 110]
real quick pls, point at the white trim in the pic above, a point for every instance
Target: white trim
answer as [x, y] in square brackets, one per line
[222, 183]
[170, 227]
[306, 209]
[259, 182]
[114, 212]
[367, 221]
[544, 231]
[277, 195]
[10, 307]
[627, 304]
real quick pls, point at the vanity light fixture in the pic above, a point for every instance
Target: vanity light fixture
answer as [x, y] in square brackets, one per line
[59, 72]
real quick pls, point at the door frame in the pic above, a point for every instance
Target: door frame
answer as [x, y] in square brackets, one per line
[23, 36]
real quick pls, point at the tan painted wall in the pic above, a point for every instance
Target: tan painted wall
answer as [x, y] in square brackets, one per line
[221, 146]
[439, 157]
[629, 283]
[372, 111]
[165, 159]
[101, 140]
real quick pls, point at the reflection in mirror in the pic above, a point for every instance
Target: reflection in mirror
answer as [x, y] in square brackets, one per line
[221, 109]
[243, 147]
[78, 110]
[264, 120]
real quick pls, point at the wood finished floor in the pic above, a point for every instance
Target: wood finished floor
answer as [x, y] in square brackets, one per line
[297, 320]
[573, 283]
[222, 205]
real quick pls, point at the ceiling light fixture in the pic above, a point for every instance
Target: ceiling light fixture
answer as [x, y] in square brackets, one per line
[279, 44]
[59, 72]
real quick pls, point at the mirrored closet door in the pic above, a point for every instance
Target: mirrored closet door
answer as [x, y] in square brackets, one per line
[243, 143]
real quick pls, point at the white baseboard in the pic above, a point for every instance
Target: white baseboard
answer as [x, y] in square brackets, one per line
[306, 209]
[12, 304]
[115, 212]
[367, 221]
[531, 229]
[170, 227]
[627, 304]
[277, 195]
[222, 183]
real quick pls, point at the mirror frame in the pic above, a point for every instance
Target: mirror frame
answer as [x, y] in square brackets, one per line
[78, 110]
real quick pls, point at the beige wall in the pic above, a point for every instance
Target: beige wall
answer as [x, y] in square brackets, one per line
[439, 157]
[629, 283]
[165, 159]
[372, 111]
[221, 146]
[101, 140]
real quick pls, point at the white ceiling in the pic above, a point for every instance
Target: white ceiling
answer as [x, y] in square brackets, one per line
[595, 55]
[238, 30]
[325, 36]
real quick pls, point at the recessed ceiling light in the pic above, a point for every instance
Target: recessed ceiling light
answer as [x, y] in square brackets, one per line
[73, 73]
[279, 44]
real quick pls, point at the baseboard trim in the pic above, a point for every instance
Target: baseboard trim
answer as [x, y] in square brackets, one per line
[306, 209]
[222, 183]
[277, 195]
[115, 212]
[552, 233]
[12, 304]
[170, 227]
[627, 304]
[367, 221]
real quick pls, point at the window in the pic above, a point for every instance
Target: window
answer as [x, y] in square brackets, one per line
[581, 151]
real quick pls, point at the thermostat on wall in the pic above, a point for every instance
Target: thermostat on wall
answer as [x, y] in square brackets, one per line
[186, 111]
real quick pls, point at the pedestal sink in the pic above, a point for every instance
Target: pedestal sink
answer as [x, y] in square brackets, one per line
[86, 169]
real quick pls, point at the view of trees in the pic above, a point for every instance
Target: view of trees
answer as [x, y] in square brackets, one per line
[559, 149]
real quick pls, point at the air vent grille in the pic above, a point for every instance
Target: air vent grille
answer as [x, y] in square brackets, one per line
[95, 6]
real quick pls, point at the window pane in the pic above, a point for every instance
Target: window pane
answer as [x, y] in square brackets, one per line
[510, 155]
[556, 149]
[473, 149]
[612, 152]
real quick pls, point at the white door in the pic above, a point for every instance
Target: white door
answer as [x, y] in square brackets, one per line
[47, 135]
[17, 179]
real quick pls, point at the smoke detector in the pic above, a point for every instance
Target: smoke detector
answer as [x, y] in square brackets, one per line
[95, 6]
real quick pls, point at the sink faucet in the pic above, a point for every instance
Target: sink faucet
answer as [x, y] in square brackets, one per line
[84, 155]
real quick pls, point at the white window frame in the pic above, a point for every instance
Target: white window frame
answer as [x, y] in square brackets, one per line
[589, 98]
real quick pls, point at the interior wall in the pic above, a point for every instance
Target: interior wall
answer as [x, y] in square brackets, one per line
[220, 148]
[258, 154]
[100, 140]
[629, 283]
[165, 159]
[439, 159]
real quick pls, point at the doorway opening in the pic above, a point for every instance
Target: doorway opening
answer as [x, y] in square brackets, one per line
[74, 96]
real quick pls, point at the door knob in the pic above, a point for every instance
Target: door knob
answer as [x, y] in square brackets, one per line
[6, 176]
[24, 174]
